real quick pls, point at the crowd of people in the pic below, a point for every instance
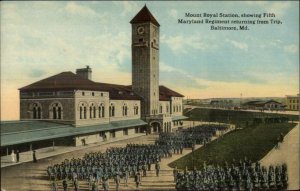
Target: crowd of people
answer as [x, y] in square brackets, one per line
[133, 160]
[187, 138]
[241, 176]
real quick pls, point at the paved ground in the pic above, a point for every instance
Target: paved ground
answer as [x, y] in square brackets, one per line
[288, 153]
[57, 150]
[32, 176]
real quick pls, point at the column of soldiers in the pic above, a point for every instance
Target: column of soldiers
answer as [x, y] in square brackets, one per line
[131, 161]
[187, 138]
[242, 176]
[134, 160]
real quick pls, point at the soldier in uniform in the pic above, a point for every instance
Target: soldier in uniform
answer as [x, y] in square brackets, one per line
[175, 172]
[157, 168]
[53, 185]
[137, 179]
[126, 176]
[34, 156]
[65, 184]
[76, 185]
[117, 180]
[94, 186]
[105, 182]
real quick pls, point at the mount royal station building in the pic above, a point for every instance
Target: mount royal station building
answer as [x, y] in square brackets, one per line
[72, 109]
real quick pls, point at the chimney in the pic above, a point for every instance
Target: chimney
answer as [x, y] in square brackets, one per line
[85, 72]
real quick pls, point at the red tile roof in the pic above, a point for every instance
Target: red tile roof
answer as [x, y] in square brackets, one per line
[144, 16]
[71, 81]
[165, 93]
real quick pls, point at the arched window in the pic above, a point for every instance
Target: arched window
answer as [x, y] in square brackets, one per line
[54, 113]
[56, 110]
[177, 108]
[160, 108]
[39, 113]
[80, 112]
[36, 111]
[84, 112]
[101, 111]
[59, 113]
[125, 108]
[167, 109]
[94, 112]
[91, 112]
[136, 110]
[112, 110]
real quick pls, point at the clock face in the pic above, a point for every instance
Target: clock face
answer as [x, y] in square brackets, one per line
[140, 30]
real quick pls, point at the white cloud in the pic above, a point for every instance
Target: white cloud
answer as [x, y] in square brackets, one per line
[277, 7]
[184, 44]
[173, 13]
[75, 8]
[291, 48]
[239, 45]
[128, 7]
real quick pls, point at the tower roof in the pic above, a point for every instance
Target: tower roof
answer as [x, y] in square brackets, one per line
[144, 16]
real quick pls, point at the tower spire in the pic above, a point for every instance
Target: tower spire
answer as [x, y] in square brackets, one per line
[144, 15]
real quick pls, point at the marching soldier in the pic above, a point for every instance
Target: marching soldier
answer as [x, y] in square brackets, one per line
[175, 172]
[65, 184]
[126, 176]
[53, 185]
[95, 186]
[117, 180]
[105, 182]
[137, 179]
[76, 185]
[157, 168]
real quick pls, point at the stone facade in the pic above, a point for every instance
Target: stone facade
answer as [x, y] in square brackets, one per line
[145, 65]
[76, 99]
[89, 106]
[40, 107]
[176, 105]
[292, 102]
[125, 109]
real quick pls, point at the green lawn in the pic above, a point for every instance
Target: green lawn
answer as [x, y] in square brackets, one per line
[253, 142]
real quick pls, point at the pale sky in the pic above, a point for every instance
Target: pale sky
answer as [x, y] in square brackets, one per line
[40, 39]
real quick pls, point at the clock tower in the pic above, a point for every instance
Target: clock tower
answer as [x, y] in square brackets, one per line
[145, 60]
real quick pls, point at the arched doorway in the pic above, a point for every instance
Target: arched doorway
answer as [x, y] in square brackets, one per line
[156, 127]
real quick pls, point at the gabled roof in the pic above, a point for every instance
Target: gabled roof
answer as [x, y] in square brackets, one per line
[261, 103]
[165, 93]
[71, 81]
[61, 81]
[144, 16]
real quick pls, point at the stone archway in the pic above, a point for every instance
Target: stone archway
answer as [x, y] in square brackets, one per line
[156, 127]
